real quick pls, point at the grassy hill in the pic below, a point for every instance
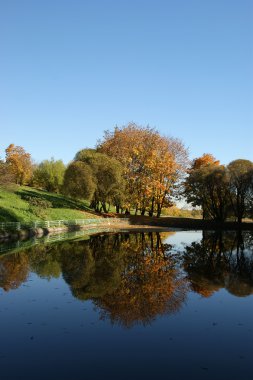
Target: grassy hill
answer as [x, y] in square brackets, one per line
[26, 204]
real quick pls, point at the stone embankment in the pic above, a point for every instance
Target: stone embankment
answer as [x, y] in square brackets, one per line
[17, 230]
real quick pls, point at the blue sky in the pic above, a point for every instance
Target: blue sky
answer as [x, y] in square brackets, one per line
[71, 69]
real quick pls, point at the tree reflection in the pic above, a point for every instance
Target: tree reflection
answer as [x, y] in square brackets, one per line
[150, 284]
[133, 278]
[93, 269]
[14, 270]
[44, 261]
[220, 260]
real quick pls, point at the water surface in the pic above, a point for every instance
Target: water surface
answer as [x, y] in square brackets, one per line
[175, 305]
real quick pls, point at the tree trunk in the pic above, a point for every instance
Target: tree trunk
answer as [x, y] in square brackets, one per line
[151, 211]
[159, 210]
[104, 207]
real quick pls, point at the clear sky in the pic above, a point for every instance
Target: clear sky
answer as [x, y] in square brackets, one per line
[70, 69]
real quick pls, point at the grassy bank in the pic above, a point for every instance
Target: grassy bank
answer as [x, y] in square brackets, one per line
[26, 204]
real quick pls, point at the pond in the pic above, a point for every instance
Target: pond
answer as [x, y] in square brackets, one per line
[169, 305]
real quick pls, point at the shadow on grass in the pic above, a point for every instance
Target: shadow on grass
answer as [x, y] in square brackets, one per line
[8, 216]
[58, 201]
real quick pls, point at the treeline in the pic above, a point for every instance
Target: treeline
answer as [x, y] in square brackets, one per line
[134, 168]
[221, 191]
[19, 168]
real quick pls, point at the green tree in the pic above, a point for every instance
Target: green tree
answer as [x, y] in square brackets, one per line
[208, 187]
[6, 175]
[241, 179]
[79, 181]
[107, 174]
[49, 175]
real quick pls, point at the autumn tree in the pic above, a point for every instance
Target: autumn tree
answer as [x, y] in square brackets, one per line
[79, 181]
[206, 159]
[152, 164]
[19, 164]
[195, 185]
[241, 187]
[49, 175]
[107, 175]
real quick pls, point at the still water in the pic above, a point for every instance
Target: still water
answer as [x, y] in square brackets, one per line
[176, 305]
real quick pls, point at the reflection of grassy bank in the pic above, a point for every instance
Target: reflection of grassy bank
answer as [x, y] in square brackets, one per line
[14, 246]
[10, 247]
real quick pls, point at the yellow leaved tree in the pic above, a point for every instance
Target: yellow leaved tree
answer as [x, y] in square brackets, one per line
[19, 163]
[152, 165]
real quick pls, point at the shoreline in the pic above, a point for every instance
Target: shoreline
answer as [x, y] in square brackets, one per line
[133, 223]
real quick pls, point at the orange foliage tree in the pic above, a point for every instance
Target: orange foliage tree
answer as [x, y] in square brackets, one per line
[152, 165]
[205, 160]
[19, 163]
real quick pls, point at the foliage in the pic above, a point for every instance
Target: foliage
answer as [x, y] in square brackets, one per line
[205, 160]
[79, 181]
[107, 174]
[19, 164]
[6, 176]
[207, 186]
[37, 202]
[241, 187]
[38, 206]
[152, 165]
[220, 191]
[49, 175]
[175, 211]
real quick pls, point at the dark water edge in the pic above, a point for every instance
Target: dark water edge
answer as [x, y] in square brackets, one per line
[175, 305]
[190, 223]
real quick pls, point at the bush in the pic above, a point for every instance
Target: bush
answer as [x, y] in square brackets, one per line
[38, 206]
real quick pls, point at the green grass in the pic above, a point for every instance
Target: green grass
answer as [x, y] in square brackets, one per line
[14, 206]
